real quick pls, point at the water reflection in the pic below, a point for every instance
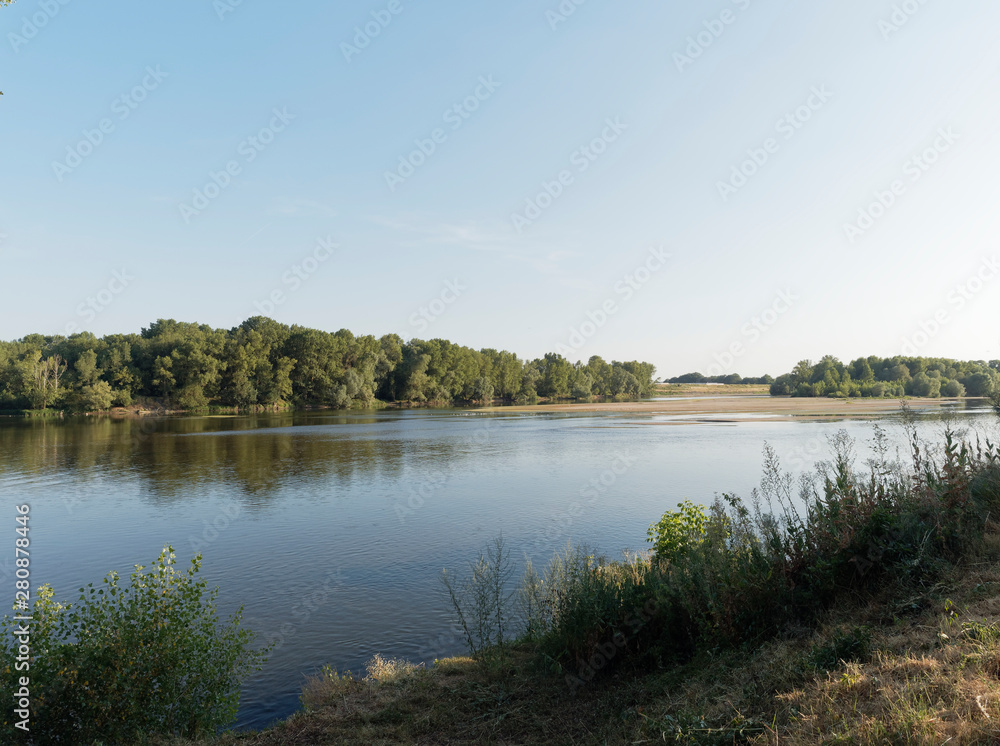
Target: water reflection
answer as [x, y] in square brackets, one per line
[259, 454]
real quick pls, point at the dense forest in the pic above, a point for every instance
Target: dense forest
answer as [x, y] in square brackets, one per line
[732, 378]
[263, 363]
[890, 377]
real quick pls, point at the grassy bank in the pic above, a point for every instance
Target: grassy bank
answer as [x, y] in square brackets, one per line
[860, 607]
[917, 669]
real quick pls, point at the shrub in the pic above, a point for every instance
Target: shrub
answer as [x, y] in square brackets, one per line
[846, 646]
[483, 602]
[736, 574]
[678, 532]
[97, 397]
[124, 662]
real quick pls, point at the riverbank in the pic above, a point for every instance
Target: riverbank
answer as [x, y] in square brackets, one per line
[758, 408]
[918, 670]
[874, 620]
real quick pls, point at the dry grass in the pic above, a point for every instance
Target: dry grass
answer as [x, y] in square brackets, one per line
[932, 677]
[933, 680]
[901, 662]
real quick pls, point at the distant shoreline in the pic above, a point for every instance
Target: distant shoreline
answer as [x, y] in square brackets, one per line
[767, 409]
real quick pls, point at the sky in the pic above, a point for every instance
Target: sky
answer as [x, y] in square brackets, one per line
[724, 187]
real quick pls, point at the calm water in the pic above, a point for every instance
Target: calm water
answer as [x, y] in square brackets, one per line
[333, 528]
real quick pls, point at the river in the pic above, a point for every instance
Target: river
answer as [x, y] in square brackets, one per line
[332, 528]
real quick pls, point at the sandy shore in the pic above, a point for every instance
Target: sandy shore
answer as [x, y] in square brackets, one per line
[716, 408]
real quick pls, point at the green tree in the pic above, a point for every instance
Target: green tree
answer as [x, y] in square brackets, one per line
[581, 384]
[953, 389]
[861, 371]
[96, 397]
[555, 373]
[623, 385]
[87, 372]
[923, 385]
[42, 379]
[505, 372]
[483, 390]
[783, 385]
[979, 384]
[600, 371]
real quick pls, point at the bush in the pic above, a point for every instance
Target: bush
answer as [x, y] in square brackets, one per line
[678, 532]
[846, 646]
[734, 575]
[125, 662]
[483, 602]
[97, 397]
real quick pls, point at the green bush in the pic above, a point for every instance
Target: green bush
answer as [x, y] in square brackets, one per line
[677, 532]
[846, 646]
[734, 574]
[126, 662]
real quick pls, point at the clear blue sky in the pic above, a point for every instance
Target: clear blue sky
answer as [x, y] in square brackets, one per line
[521, 96]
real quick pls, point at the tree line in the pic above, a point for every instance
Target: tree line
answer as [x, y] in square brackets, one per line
[732, 378]
[890, 377]
[264, 364]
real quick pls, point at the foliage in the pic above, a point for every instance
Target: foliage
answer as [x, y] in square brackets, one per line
[263, 364]
[678, 532]
[151, 657]
[729, 379]
[736, 573]
[483, 602]
[846, 646]
[890, 377]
